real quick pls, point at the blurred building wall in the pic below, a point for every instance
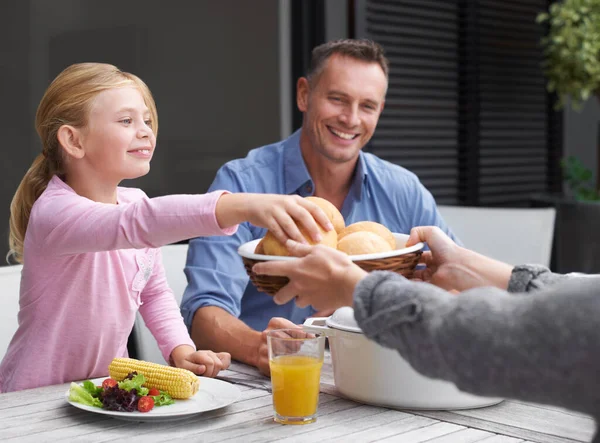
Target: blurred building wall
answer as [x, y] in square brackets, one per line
[581, 134]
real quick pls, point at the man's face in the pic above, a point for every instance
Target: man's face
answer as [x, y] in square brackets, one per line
[342, 106]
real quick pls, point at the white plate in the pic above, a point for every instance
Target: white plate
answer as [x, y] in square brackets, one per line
[213, 394]
[247, 250]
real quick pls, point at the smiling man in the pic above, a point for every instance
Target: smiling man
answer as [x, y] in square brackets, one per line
[341, 99]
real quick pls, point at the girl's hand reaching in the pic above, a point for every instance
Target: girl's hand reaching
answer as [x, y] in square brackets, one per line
[205, 363]
[283, 215]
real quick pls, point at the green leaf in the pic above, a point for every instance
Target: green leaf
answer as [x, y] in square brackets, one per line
[578, 177]
[163, 399]
[92, 388]
[135, 383]
[79, 394]
[571, 50]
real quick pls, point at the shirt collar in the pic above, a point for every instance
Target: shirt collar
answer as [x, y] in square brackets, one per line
[359, 181]
[296, 175]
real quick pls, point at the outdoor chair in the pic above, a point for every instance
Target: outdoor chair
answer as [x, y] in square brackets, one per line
[174, 258]
[513, 235]
[10, 282]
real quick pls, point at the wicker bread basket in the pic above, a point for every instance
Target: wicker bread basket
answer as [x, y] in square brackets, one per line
[402, 260]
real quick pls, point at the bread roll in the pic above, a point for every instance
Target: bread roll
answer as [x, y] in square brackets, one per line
[335, 216]
[260, 247]
[272, 246]
[376, 228]
[363, 242]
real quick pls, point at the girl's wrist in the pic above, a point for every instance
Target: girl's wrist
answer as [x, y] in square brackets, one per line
[231, 210]
[180, 353]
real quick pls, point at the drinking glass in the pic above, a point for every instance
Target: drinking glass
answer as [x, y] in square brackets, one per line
[295, 359]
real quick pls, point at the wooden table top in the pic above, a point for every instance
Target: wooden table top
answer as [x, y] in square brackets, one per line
[43, 414]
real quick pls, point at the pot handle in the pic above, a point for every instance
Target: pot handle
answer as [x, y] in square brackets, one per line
[310, 326]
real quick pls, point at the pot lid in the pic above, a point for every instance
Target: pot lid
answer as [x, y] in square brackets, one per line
[343, 319]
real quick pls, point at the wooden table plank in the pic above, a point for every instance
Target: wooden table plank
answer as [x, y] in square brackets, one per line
[349, 423]
[345, 418]
[337, 412]
[466, 435]
[502, 439]
[426, 433]
[338, 433]
[522, 421]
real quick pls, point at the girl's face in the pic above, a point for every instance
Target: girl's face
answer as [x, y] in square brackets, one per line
[118, 140]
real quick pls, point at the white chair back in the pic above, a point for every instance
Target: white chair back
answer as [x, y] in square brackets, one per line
[513, 235]
[174, 258]
[10, 282]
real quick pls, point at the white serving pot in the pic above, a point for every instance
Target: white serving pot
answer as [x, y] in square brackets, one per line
[367, 372]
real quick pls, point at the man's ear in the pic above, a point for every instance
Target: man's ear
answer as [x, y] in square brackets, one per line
[302, 90]
[69, 138]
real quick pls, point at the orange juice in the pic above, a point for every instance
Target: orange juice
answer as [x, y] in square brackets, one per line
[295, 382]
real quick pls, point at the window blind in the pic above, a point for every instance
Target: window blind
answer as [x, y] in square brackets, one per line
[467, 109]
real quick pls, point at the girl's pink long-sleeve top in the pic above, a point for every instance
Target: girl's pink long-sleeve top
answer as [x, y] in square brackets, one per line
[88, 268]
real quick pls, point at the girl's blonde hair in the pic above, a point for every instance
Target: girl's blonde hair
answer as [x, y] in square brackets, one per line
[67, 101]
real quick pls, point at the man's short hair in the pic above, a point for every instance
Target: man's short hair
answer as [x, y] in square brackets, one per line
[359, 49]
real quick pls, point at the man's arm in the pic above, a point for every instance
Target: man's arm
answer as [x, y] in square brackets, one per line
[216, 329]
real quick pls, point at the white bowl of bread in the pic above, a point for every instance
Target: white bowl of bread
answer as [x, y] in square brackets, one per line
[370, 245]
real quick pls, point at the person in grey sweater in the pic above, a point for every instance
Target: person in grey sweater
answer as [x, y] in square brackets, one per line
[515, 332]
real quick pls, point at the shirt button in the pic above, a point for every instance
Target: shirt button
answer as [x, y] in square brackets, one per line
[309, 188]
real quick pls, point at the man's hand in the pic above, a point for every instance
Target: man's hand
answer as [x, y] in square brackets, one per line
[263, 351]
[454, 268]
[443, 254]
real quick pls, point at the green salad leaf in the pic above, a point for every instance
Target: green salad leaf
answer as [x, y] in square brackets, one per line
[79, 394]
[163, 399]
[92, 388]
[135, 383]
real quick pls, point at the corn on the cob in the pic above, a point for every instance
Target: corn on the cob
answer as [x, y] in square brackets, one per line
[179, 383]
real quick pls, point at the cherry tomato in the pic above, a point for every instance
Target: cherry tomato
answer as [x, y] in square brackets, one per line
[109, 383]
[145, 403]
[153, 392]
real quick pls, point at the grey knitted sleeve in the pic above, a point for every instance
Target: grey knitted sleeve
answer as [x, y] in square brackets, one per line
[527, 278]
[543, 347]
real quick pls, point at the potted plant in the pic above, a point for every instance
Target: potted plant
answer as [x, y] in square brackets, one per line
[571, 50]
[579, 180]
[571, 65]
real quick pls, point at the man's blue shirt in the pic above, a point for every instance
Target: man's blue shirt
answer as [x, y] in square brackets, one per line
[380, 192]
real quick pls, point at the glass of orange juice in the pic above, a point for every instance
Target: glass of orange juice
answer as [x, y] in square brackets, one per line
[295, 359]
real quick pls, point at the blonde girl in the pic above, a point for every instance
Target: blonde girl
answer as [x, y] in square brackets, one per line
[90, 249]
